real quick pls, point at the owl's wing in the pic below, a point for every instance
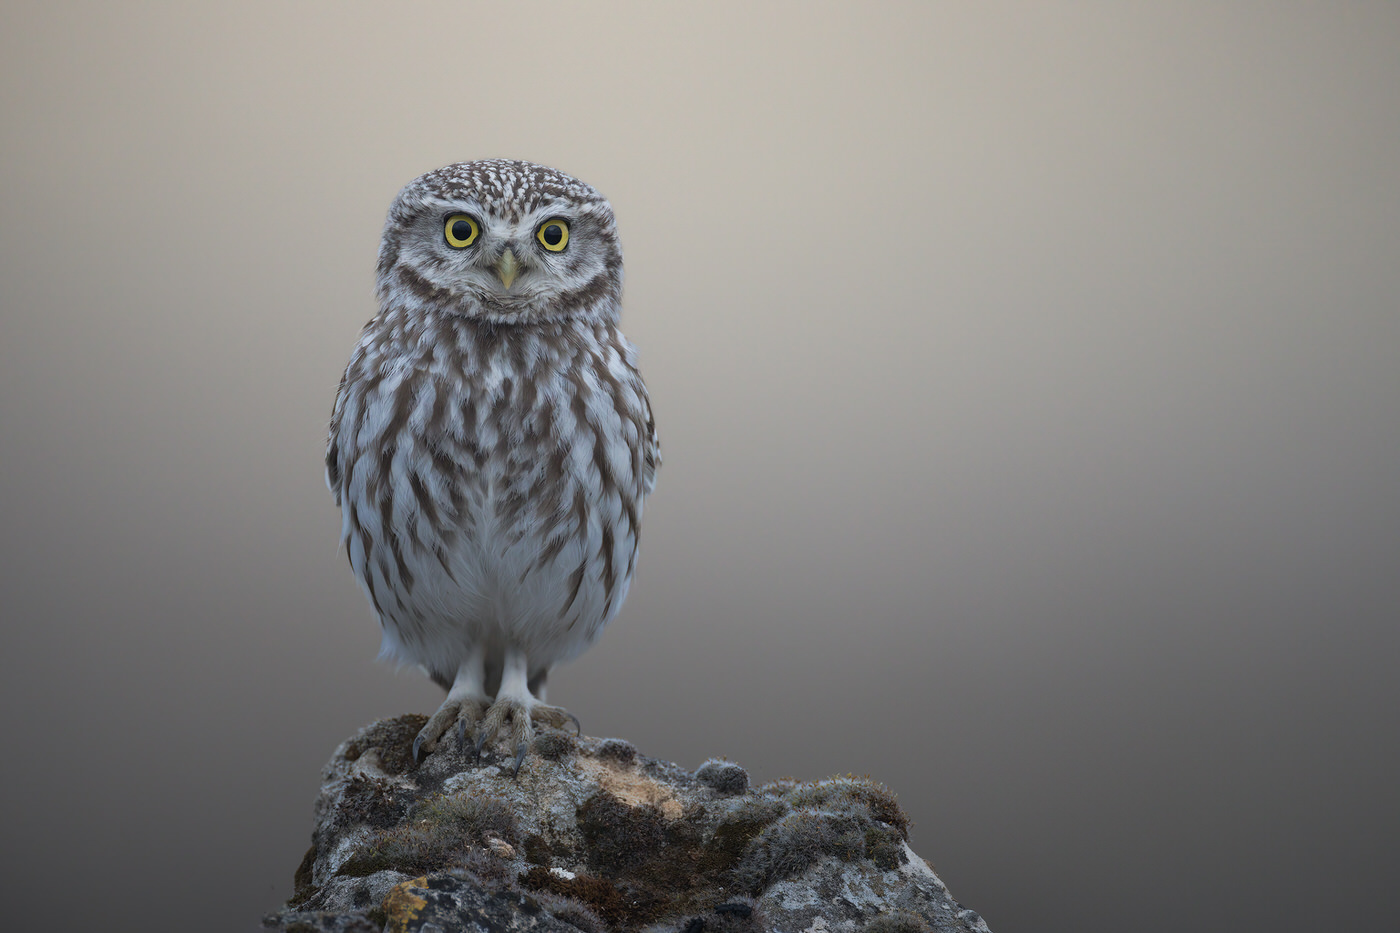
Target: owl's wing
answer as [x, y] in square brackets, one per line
[332, 439]
[634, 403]
[651, 446]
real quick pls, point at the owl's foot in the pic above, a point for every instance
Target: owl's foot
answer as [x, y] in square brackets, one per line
[465, 711]
[513, 719]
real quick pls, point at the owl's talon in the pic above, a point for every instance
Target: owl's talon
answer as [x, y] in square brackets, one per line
[519, 760]
[555, 716]
[456, 711]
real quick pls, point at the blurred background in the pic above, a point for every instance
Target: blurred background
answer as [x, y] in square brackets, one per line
[1028, 376]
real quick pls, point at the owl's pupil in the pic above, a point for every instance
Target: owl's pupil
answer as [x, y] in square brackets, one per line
[552, 234]
[461, 230]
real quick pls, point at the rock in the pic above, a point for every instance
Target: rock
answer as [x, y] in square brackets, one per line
[594, 836]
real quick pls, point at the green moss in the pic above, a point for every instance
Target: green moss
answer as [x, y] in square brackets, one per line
[725, 777]
[600, 895]
[736, 830]
[408, 849]
[898, 921]
[537, 850]
[473, 817]
[373, 801]
[619, 750]
[849, 793]
[737, 916]
[794, 843]
[481, 867]
[438, 835]
[302, 887]
[728, 844]
[619, 837]
[885, 847]
[643, 867]
[848, 818]
[554, 745]
[394, 740]
[572, 911]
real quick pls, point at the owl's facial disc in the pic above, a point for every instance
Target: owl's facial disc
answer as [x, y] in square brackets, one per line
[458, 253]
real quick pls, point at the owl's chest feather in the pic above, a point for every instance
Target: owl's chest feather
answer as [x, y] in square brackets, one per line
[522, 435]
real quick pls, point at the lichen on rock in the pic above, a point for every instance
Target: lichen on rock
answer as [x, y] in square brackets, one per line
[593, 836]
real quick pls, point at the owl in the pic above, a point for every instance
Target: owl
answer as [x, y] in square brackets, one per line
[492, 443]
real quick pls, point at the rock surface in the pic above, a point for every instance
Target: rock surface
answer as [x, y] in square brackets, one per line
[594, 837]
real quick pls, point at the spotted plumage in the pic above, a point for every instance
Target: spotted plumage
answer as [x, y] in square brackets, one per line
[492, 442]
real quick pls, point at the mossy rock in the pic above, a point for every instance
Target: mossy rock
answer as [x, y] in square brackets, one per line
[593, 836]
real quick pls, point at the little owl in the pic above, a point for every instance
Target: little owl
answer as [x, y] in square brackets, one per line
[492, 442]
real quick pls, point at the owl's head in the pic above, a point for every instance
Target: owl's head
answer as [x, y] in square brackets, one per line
[502, 241]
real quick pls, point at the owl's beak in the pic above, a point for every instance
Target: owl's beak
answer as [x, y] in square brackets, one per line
[506, 268]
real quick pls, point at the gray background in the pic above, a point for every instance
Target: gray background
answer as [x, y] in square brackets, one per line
[1028, 381]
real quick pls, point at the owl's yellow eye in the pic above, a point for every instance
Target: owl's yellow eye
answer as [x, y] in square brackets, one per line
[461, 231]
[553, 235]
